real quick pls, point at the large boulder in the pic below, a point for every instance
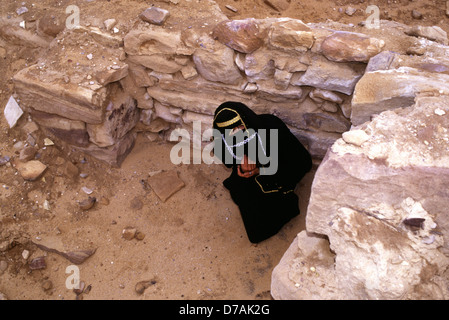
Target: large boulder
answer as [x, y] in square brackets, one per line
[380, 198]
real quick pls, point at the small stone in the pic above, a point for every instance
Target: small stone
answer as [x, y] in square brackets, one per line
[355, 137]
[155, 15]
[87, 190]
[440, 112]
[416, 50]
[87, 203]
[142, 285]
[22, 10]
[350, 11]
[48, 142]
[110, 23]
[229, 7]
[30, 170]
[129, 233]
[46, 205]
[80, 289]
[140, 235]
[90, 56]
[25, 254]
[38, 263]
[416, 14]
[47, 285]
[30, 127]
[12, 112]
[27, 153]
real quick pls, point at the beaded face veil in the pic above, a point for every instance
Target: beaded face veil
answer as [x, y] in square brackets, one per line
[238, 127]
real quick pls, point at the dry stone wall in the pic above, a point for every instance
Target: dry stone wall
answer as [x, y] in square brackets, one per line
[94, 89]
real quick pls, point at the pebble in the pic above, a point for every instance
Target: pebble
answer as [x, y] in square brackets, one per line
[155, 15]
[4, 160]
[129, 233]
[22, 10]
[12, 112]
[140, 235]
[87, 190]
[416, 14]
[90, 56]
[48, 142]
[31, 170]
[439, 112]
[47, 285]
[110, 23]
[87, 204]
[38, 263]
[229, 7]
[142, 285]
[25, 254]
[350, 11]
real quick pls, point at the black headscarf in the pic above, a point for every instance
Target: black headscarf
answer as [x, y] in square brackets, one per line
[266, 200]
[230, 115]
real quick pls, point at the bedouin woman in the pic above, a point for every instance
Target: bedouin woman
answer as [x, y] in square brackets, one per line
[267, 163]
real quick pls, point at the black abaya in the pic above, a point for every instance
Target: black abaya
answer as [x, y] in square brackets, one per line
[266, 202]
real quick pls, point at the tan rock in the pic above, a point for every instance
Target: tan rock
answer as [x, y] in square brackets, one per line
[121, 116]
[113, 155]
[71, 131]
[112, 74]
[30, 170]
[395, 175]
[241, 35]
[327, 75]
[433, 33]
[390, 89]
[165, 184]
[56, 97]
[350, 46]
[291, 35]
[50, 25]
[259, 65]
[155, 15]
[215, 63]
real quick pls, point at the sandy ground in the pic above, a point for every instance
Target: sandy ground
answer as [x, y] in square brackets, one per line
[194, 244]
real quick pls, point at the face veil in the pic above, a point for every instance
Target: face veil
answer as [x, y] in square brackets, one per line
[231, 144]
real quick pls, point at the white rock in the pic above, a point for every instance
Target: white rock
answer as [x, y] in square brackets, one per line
[12, 112]
[25, 254]
[355, 137]
[110, 23]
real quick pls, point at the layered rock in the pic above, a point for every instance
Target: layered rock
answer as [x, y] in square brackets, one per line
[169, 64]
[379, 197]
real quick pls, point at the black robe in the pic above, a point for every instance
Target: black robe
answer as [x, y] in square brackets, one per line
[266, 202]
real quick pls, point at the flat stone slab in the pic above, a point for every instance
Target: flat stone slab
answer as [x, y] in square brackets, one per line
[165, 184]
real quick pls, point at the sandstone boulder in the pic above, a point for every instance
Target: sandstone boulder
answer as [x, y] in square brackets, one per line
[389, 89]
[241, 35]
[385, 222]
[215, 62]
[350, 46]
[324, 74]
[290, 35]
